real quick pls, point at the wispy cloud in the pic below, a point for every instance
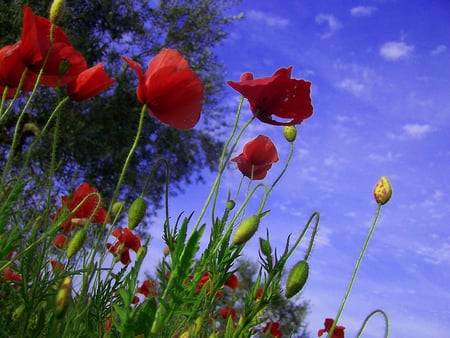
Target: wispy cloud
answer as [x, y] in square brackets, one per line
[269, 20]
[333, 24]
[352, 85]
[395, 50]
[439, 50]
[417, 130]
[359, 11]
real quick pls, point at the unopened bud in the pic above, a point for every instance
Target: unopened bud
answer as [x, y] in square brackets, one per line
[117, 208]
[136, 212]
[230, 205]
[382, 191]
[166, 251]
[141, 253]
[18, 312]
[63, 297]
[246, 230]
[76, 243]
[57, 10]
[290, 133]
[265, 247]
[297, 278]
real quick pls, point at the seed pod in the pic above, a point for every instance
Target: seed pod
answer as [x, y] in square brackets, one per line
[382, 191]
[290, 133]
[246, 230]
[297, 278]
[136, 212]
[76, 243]
[63, 297]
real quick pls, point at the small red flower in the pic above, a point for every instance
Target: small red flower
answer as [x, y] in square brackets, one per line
[89, 83]
[83, 211]
[60, 241]
[232, 282]
[135, 300]
[147, 288]
[274, 329]
[35, 44]
[257, 158]
[228, 311]
[338, 330]
[259, 293]
[108, 324]
[126, 240]
[171, 90]
[278, 95]
[202, 281]
[56, 266]
[9, 275]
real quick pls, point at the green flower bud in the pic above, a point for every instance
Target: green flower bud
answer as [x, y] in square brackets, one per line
[18, 313]
[117, 208]
[230, 205]
[382, 191]
[290, 133]
[265, 247]
[76, 243]
[136, 212]
[246, 230]
[57, 10]
[142, 252]
[63, 297]
[297, 278]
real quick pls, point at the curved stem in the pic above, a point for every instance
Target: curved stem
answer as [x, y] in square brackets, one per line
[373, 313]
[355, 271]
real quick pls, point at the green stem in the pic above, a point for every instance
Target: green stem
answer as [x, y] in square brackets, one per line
[355, 271]
[373, 313]
[127, 162]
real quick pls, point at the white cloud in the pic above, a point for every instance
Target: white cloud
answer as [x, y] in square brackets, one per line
[269, 20]
[395, 50]
[359, 11]
[439, 50]
[352, 86]
[330, 20]
[417, 130]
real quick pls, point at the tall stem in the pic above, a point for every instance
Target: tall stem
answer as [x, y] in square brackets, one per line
[355, 271]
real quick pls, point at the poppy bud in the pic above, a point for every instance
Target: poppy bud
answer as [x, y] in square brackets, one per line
[18, 313]
[246, 230]
[290, 133]
[141, 253]
[63, 297]
[117, 208]
[57, 10]
[264, 245]
[136, 212]
[297, 278]
[76, 242]
[230, 205]
[166, 251]
[382, 191]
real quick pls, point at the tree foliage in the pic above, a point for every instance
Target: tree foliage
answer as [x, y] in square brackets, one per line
[95, 136]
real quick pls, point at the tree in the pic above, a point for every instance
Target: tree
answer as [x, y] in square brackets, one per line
[96, 136]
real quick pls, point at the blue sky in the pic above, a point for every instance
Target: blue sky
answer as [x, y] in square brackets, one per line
[380, 73]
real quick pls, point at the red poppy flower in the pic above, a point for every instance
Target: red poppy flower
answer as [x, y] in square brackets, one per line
[12, 68]
[9, 275]
[274, 329]
[232, 281]
[259, 293]
[60, 241]
[147, 288]
[56, 266]
[202, 281]
[35, 44]
[89, 83]
[83, 211]
[171, 90]
[278, 95]
[228, 311]
[126, 240]
[257, 158]
[338, 330]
